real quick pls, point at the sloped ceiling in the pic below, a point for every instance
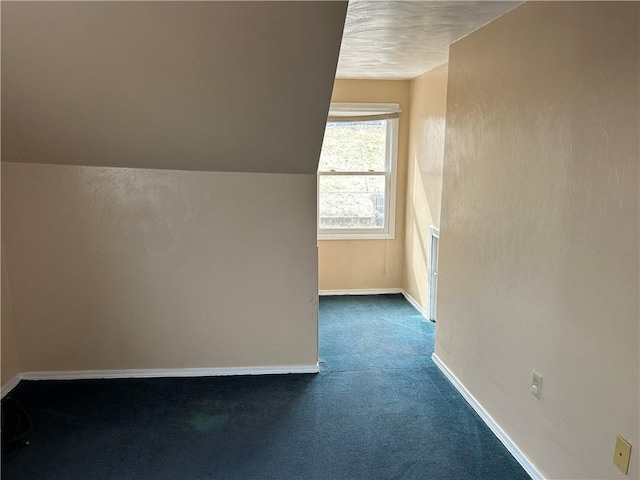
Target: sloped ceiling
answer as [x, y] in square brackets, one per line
[224, 86]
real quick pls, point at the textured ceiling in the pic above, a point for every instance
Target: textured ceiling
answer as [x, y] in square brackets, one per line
[403, 39]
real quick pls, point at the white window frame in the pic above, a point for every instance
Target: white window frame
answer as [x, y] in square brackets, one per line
[391, 164]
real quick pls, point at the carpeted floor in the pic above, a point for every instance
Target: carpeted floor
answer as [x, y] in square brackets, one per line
[379, 409]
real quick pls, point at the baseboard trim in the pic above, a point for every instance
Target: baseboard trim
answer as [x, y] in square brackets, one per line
[366, 291]
[489, 421]
[10, 385]
[416, 305]
[170, 372]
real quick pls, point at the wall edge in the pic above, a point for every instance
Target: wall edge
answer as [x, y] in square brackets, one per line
[10, 385]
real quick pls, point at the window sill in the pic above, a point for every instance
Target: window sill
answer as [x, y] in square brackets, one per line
[355, 236]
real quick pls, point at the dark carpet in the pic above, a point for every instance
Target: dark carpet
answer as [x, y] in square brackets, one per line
[379, 409]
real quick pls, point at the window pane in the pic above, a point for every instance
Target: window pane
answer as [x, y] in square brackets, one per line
[354, 147]
[352, 201]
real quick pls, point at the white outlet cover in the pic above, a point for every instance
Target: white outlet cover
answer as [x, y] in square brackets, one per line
[536, 384]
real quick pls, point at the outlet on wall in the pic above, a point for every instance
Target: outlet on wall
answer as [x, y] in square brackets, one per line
[622, 454]
[536, 384]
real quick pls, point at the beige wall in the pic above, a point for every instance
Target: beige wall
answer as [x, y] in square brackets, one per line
[114, 268]
[10, 367]
[370, 264]
[539, 233]
[424, 176]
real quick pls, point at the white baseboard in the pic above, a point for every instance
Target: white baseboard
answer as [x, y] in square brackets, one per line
[170, 372]
[365, 291]
[10, 385]
[491, 423]
[416, 305]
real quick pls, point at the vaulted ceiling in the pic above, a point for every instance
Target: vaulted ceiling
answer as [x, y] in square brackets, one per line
[225, 86]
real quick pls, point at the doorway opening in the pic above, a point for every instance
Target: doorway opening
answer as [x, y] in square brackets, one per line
[432, 272]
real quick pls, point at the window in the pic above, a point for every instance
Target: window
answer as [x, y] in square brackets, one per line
[357, 172]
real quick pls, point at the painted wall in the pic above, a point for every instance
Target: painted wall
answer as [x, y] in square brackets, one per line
[9, 360]
[113, 268]
[213, 86]
[370, 264]
[424, 176]
[539, 232]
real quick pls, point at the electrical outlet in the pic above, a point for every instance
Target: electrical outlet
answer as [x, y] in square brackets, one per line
[536, 385]
[622, 454]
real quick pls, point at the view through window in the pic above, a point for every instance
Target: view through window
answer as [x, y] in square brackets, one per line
[356, 177]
